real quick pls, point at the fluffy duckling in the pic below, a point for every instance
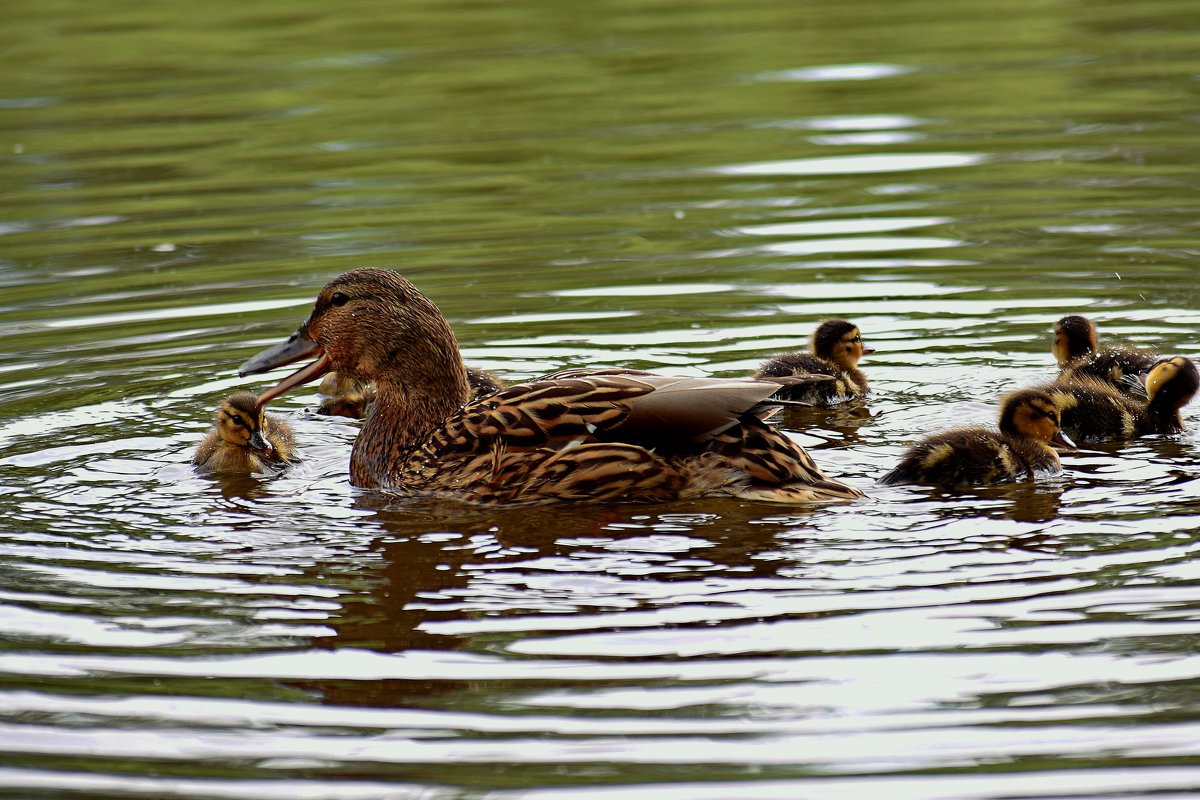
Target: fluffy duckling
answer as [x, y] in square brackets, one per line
[344, 396]
[347, 397]
[975, 455]
[1093, 411]
[245, 439]
[836, 346]
[604, 436]
[1077, 350]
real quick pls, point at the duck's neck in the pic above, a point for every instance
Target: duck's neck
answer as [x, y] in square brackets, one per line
[402, 417]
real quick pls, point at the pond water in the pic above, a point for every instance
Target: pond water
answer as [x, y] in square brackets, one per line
[683, 187]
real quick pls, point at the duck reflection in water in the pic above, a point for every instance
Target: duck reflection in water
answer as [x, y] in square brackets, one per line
[449, 577]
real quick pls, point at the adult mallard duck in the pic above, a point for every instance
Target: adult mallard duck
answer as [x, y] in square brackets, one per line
[836, 346]
[1093, 410]
[588, 436]
[975, 455]
[245, 439]
[1077, 350]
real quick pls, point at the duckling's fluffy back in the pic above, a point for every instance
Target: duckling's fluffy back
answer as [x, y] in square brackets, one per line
[846, 383]
[972, 456]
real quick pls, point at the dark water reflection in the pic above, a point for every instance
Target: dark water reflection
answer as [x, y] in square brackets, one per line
[684, 189]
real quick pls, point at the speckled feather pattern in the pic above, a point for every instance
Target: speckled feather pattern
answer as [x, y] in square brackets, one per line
[846, 384]
[973, 456]
[559, 440]
[583, 435]
[1093, 411]
[1109, 367]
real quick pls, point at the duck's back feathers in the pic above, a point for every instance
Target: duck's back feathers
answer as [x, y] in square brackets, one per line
[1111, 366]
[972, 456]
[1077, 350]
[618, 435]
[1092, 410]
[845, 383]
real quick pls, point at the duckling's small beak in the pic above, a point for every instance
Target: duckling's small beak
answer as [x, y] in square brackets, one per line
[868, 350]
[297, 346]
[259, 442]
[1062, 440]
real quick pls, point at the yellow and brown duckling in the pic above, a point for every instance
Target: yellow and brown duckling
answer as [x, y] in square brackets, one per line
[976, 456]
[1077, 350]
[1094, 411]
[618, 437]
[836, 347]
[245, 439]
[344, 396]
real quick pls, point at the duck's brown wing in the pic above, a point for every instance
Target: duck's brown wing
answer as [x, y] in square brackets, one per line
[618, 437]
[630, 407]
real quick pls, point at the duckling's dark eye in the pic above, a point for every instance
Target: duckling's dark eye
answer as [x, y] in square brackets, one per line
[339, 299]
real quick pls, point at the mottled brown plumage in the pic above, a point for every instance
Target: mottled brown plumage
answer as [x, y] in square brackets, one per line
[245, 439]
[605, 435]
[836, 347]
[1077, 350]
[1092, 410]
[976, 456]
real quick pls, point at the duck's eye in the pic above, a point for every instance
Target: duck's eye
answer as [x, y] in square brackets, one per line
[339, 299]
[856, 340]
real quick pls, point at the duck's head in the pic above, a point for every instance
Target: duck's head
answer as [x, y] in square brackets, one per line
[239, 420]
[839, 341]
[1172, 382]
[371, 324]
[1031, 414]
[1074, 336]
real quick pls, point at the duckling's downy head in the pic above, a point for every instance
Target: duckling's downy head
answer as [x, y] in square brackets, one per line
[372, 324]
[1173, 382]
[1074, 336]
[839, 341]
[239, 420]
[1032, 414]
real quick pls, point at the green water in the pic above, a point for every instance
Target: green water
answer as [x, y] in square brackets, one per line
[683, 187]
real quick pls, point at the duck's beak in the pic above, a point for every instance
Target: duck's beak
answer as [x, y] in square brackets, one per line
[868, 350]
[259, 442]
[297, 346]
[1062, 440]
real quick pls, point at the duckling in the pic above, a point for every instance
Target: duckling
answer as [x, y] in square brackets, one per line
[624, 436]
[245, 439]
[1093, 411]
[975, 455]
[1077, 350]
[344, 396]
[348, 397]
[837, 346]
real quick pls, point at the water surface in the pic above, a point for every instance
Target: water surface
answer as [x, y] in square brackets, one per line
[683, 187]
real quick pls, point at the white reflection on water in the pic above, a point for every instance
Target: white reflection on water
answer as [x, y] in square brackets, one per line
[835, 72]
[874, 163]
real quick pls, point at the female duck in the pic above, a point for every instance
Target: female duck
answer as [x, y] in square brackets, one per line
[1094, 411]
[975, 455]
[245, 439]
[603, 436]
[837, 346]
[1077, 350]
